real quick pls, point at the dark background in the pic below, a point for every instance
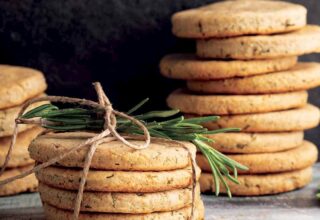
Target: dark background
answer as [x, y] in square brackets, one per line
[116, 42]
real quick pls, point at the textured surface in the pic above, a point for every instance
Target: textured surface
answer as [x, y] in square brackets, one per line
[119, 43]
[296, 205]
[213, 104]
[158, 156]
[293, 159]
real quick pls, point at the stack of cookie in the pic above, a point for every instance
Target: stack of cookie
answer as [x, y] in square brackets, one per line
[123, 183]
[17, 85]
[246, 71]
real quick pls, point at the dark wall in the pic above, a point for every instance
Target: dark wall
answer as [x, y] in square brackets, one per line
[117, 42]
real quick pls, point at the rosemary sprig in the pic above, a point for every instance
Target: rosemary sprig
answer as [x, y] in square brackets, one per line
[170, 126]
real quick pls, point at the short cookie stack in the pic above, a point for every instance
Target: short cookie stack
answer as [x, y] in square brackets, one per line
[17, 85]
[246, 70]
[123, 183]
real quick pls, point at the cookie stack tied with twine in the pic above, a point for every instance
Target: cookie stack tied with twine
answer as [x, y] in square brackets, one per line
[18, 84]
[246, 71]
[111, 175]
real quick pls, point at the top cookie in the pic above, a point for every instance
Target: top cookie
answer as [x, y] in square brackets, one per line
[235, 18]
[18, 84]
[111, 156]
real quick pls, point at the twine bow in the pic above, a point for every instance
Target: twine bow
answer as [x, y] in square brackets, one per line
[108, 134]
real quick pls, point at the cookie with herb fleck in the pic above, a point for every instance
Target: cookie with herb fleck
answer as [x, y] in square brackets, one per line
[113, 155]
[290, 120]
[26, 184]
[118, 181]
[134, 203]
[263, 184]
[18, 84]
[303, 76]
[189, 67]
[303, 41]
[293, 159]
[234, 104]
[234, 18]
[53, 213]
[7, 117]
[20, 155]
[248, 143]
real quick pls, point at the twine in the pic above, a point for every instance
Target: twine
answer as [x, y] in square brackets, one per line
[107, 135]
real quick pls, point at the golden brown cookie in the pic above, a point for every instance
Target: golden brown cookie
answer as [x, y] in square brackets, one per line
[20, 155]
[53, 213]
[289, 160]
[263, 184]
[234, 18]
[8, 116]
[290, 120]
[189, 67]
[118, 181]
[18, 84]
[248, 143]
[157, 157]
[135, 203]
[295, 43]
[303, 76]
[234, 104]
[26, 184]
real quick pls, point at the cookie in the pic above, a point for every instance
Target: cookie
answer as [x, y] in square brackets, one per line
[18, 84]
[248, 143]
[157, 157]
[53, 213]
[234, 18]
[264, 184]
[8, 116]
[289, 160]
[189, 67]
[134, 203]
[303, 76]
[118, 181]
[290, 120]
[20, 155]
[26, 184]
[295, 43]
[234, 104]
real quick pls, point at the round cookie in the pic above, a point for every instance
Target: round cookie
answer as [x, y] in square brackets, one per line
[26, 184]
[293, 159]
[20, 155]
[296, 43]
[189, 67]
[248, 143]
[234, 18]
[53, 213]
[290, 120]
[18, 84]
[134, 203]
[303, 76]
[157, 157]
[264, 184]
[8, 116]
[235, 104]
[118, 181]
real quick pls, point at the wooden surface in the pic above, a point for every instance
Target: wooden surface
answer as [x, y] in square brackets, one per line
[297, 205]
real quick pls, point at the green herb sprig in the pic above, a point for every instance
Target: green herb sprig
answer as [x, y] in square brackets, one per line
[170, 126]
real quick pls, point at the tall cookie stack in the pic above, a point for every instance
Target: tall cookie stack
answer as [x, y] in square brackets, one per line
[17, 85]
[246, 70]
[123, 183]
